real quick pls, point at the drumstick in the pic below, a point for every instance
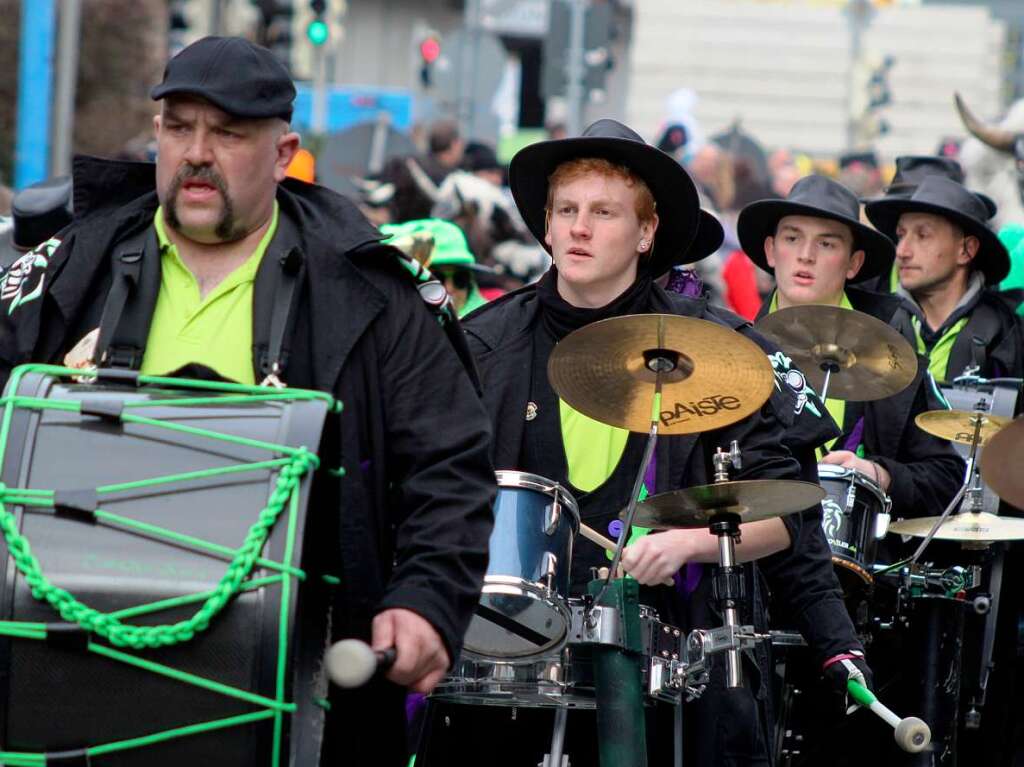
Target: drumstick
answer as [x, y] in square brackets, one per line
[608, 545]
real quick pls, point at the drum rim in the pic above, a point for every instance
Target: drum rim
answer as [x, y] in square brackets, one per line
[859, 478]
[528, 481]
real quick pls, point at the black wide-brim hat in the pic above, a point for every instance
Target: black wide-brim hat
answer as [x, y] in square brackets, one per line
[675, 196]
[944, 197]
[819, 197]
[912, 169]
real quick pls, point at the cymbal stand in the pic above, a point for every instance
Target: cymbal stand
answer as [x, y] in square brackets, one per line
[728, 580]
[659, 362]
[969, 475]
[830, 367]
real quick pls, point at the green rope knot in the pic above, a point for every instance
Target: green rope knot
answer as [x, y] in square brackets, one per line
[300, 462]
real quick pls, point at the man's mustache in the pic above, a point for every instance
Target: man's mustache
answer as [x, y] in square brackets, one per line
[199, 173]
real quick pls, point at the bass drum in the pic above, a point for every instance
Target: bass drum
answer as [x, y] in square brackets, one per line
[130, 508]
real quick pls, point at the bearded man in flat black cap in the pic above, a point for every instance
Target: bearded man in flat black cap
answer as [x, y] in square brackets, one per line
[221, 230]
[616, 214]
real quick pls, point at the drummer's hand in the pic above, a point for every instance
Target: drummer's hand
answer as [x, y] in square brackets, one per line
[654, 559]
[869, 469]
[421, 659]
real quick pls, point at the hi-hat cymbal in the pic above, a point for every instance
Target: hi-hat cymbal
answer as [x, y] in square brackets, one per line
[604, 370]
[958, 425]
[751, 500]
[970, 526]
[1000, 464]
[872, 360]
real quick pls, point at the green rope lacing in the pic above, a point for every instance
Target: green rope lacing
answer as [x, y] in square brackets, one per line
[292, 467]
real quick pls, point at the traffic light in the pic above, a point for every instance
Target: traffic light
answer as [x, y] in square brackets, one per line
[275, 30]
[430, 51]
[318, 31]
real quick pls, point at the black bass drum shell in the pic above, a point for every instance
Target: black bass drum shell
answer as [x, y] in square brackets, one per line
[55, 699]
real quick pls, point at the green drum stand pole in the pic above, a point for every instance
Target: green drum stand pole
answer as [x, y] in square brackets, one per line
[618, 677]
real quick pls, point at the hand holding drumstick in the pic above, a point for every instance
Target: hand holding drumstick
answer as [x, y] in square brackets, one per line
[608, 545]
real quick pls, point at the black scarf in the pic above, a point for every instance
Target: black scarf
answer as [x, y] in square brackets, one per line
[559, 318]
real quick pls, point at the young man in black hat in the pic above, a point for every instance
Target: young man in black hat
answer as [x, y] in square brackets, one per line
[948, 258]
[220, 231]
[815, 245]
[616, 214]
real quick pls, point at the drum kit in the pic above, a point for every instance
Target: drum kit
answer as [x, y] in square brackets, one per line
[862, 359]
[530, 645]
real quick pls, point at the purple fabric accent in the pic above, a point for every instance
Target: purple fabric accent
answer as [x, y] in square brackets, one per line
[685, 282]
[694, 572]
[414, 703]
[364, 466]
[856, 436]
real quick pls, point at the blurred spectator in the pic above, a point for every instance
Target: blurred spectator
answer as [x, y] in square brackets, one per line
[6, 197]
[673, 140]
[450, 260]
[481, 160]
[712, 172]
[444, 150]
[556, 130]
[784, 173]
[860, 173]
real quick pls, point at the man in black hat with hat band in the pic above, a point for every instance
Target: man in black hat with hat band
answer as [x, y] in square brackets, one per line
[910, 171]
[220, 230]
[616, 214]
[948, 259]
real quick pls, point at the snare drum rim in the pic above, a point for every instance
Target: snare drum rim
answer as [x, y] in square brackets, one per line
[527, 481]
[831, 471]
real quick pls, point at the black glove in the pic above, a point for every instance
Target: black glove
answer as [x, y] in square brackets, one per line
[839, 669]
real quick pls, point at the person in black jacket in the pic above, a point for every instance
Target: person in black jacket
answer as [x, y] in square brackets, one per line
[616, 214]
[415, 515]
[814, 244]
[950, 261]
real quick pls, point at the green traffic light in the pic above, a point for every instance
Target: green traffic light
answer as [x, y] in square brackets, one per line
[318, 31]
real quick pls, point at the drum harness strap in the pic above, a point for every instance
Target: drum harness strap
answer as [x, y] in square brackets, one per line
[84, 623]
[135, 285]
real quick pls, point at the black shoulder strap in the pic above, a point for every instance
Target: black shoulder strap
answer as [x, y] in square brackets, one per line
[128, 312]
[276, 288]
[974, 341]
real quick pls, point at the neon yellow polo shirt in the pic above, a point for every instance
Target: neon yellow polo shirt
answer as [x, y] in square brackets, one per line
[215, 331]
[592, 451]
[836, 407]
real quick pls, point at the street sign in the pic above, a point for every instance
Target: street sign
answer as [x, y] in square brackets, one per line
[516, 18]
[596, 44]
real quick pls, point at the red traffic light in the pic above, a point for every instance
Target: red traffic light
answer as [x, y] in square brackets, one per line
[430, 49]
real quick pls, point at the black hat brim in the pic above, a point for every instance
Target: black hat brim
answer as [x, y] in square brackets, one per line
[709, 238]
[992, 260]
[905, 193]
[674, 192]
[759, 221]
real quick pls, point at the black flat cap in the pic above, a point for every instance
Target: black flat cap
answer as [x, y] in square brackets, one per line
[239, 77]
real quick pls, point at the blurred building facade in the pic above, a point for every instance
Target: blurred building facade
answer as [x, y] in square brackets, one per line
[784, 68]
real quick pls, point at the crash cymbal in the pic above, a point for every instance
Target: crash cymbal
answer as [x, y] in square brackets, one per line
[1001, 466]
[966, 526]
[751, 500]
[958, 425]
[872, 360]
[714, 376]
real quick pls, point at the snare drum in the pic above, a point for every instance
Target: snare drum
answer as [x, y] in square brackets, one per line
[523, 610]
[855, 515]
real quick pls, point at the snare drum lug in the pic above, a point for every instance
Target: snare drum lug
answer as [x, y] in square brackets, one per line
[552, 514]
[549, 568]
